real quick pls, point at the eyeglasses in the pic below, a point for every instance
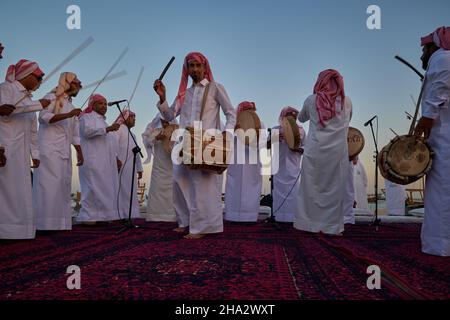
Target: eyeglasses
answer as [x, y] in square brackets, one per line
[40, 78]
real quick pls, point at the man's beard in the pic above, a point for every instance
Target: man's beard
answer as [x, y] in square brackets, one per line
[425, 64]
[73, 94]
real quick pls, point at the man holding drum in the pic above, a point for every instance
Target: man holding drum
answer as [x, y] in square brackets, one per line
[435, 126]
[5, 110]
[197, 193]
[244, 179]
[286, 180]
[156, 139]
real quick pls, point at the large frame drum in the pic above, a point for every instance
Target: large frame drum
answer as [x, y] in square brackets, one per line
[248, 120]
[405, 159]
[355, 141]
[194, 147]
[291, 132]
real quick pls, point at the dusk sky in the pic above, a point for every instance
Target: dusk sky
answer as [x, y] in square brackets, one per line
[269, 52]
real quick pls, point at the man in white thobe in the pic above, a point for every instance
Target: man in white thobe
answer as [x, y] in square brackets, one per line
[125, 146]
[395, 198]
[360, 184]
[99, 178]
[435, 124]
[160, 193]
[325, 158]
[18, 135]
[197, 193]
[350, 203]
[58, 130]
[244, 178]
[5, 110]
[286, 182]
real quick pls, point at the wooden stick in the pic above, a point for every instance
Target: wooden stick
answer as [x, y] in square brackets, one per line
[413, 123]
[111, 77]
[107, 74]
[136, 86]
[411, 66]
[71, 56]
[166, 68]
[394, 132]
[76, 52]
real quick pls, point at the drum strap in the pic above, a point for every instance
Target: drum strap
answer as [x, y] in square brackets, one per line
[205, 96]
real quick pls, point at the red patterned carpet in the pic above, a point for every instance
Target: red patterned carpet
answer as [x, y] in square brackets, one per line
[246, 262]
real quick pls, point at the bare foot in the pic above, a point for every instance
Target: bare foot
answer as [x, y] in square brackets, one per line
[194, 236]
[180, 229]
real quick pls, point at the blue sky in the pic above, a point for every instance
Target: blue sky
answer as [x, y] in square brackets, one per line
[269, 52]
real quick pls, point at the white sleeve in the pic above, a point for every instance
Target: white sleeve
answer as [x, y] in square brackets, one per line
[227, 107]
[91, 128]
[168, 113]
[76, 141]
[139, 167]
[148, 144]
[121, 143]
[303, 116]
[34, 143]
[437, 96]
[6, 95]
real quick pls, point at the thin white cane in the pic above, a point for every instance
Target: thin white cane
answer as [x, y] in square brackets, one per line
[106, 75]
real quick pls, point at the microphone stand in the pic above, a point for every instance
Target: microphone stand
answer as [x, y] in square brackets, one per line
[129, 224]
[376, 221]
[271, 219]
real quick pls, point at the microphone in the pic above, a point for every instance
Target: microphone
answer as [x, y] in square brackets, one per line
[367, 123]
[115, 102]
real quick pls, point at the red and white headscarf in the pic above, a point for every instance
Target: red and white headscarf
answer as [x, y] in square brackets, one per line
[284, 112]
[246, 105]
[22, 69]
[65, 79]
[126, 114]
[329, 86]
[197, 56]
[440, 37]
[92, 101]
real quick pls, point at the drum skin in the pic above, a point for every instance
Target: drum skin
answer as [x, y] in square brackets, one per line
[405, 159]
[206, 143]
[291, 132]
[356, 142]
[246, 120]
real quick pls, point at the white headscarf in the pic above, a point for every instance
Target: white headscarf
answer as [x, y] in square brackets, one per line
[65, 80]
[147, 135]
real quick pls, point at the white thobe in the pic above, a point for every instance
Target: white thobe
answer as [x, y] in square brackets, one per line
[197, 193]
[18, 135]
[324, 170]
[244, 182]
[435, 104]
[125, 146]
[160, 193]
[99, 179]
[286, 182]
[53, 179]
[349, 211]
[395, 198]
[360, 183]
